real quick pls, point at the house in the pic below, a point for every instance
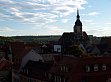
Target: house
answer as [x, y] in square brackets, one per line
[68, 69]
[19, 50]
[31, 55]
[71, 69]
[35, 71]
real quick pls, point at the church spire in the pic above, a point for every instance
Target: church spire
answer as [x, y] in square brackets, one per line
[78, 14]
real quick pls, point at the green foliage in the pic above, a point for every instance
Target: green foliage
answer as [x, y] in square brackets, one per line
[74, 50]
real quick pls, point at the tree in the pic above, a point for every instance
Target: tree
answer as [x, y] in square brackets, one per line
[74, 50]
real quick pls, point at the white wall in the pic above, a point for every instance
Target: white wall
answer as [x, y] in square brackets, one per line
[57, 48]
[31, 55]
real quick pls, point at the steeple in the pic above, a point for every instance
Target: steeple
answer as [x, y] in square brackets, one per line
[78, 28]
[78, 14]
[78, 22]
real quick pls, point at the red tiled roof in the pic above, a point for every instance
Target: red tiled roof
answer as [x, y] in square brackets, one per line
[4, 63]
[19, 49]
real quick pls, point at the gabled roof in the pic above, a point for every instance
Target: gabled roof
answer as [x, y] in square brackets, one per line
[66, 36]
[31, 55]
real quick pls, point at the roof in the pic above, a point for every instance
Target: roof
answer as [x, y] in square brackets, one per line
[20, 49]
[69, 37]
[31, 55]
[99, 60]
[77, 66]
[4, 63]
[78, 22]
[47, 57]
[65, 61]
[66, 37]
[38, 65]
[105, 44]
[106, 40]
[37, 69]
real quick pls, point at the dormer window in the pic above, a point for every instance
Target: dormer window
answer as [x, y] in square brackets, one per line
[96, 67]
[87, 68]
[104, 67]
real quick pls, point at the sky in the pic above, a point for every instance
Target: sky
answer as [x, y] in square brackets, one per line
[54, 17]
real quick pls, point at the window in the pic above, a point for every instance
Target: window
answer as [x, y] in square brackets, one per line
[55, 78]
[27, 71]
[61, 67]
[84, 79]
[87, 68]
[49, 75]
[64, 80]
[66, 69]
[104, 67]
[58, 49]
[96, 67]
[59, 79]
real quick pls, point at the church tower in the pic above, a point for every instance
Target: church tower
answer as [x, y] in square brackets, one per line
[78, 28]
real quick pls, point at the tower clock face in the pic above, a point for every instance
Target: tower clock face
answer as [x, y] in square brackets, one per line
[79, 29]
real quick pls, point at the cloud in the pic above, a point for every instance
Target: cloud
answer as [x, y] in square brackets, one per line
[51, 29]
[93, 13]
[109, 23]
[93, 23]
[64, 20]
[38, 11]
[87, 21]
[100, 32]
[6, 29]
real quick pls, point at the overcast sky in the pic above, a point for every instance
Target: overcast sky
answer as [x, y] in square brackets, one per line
[53, 17]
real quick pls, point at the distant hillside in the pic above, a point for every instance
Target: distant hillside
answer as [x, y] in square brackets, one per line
[35, 38]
